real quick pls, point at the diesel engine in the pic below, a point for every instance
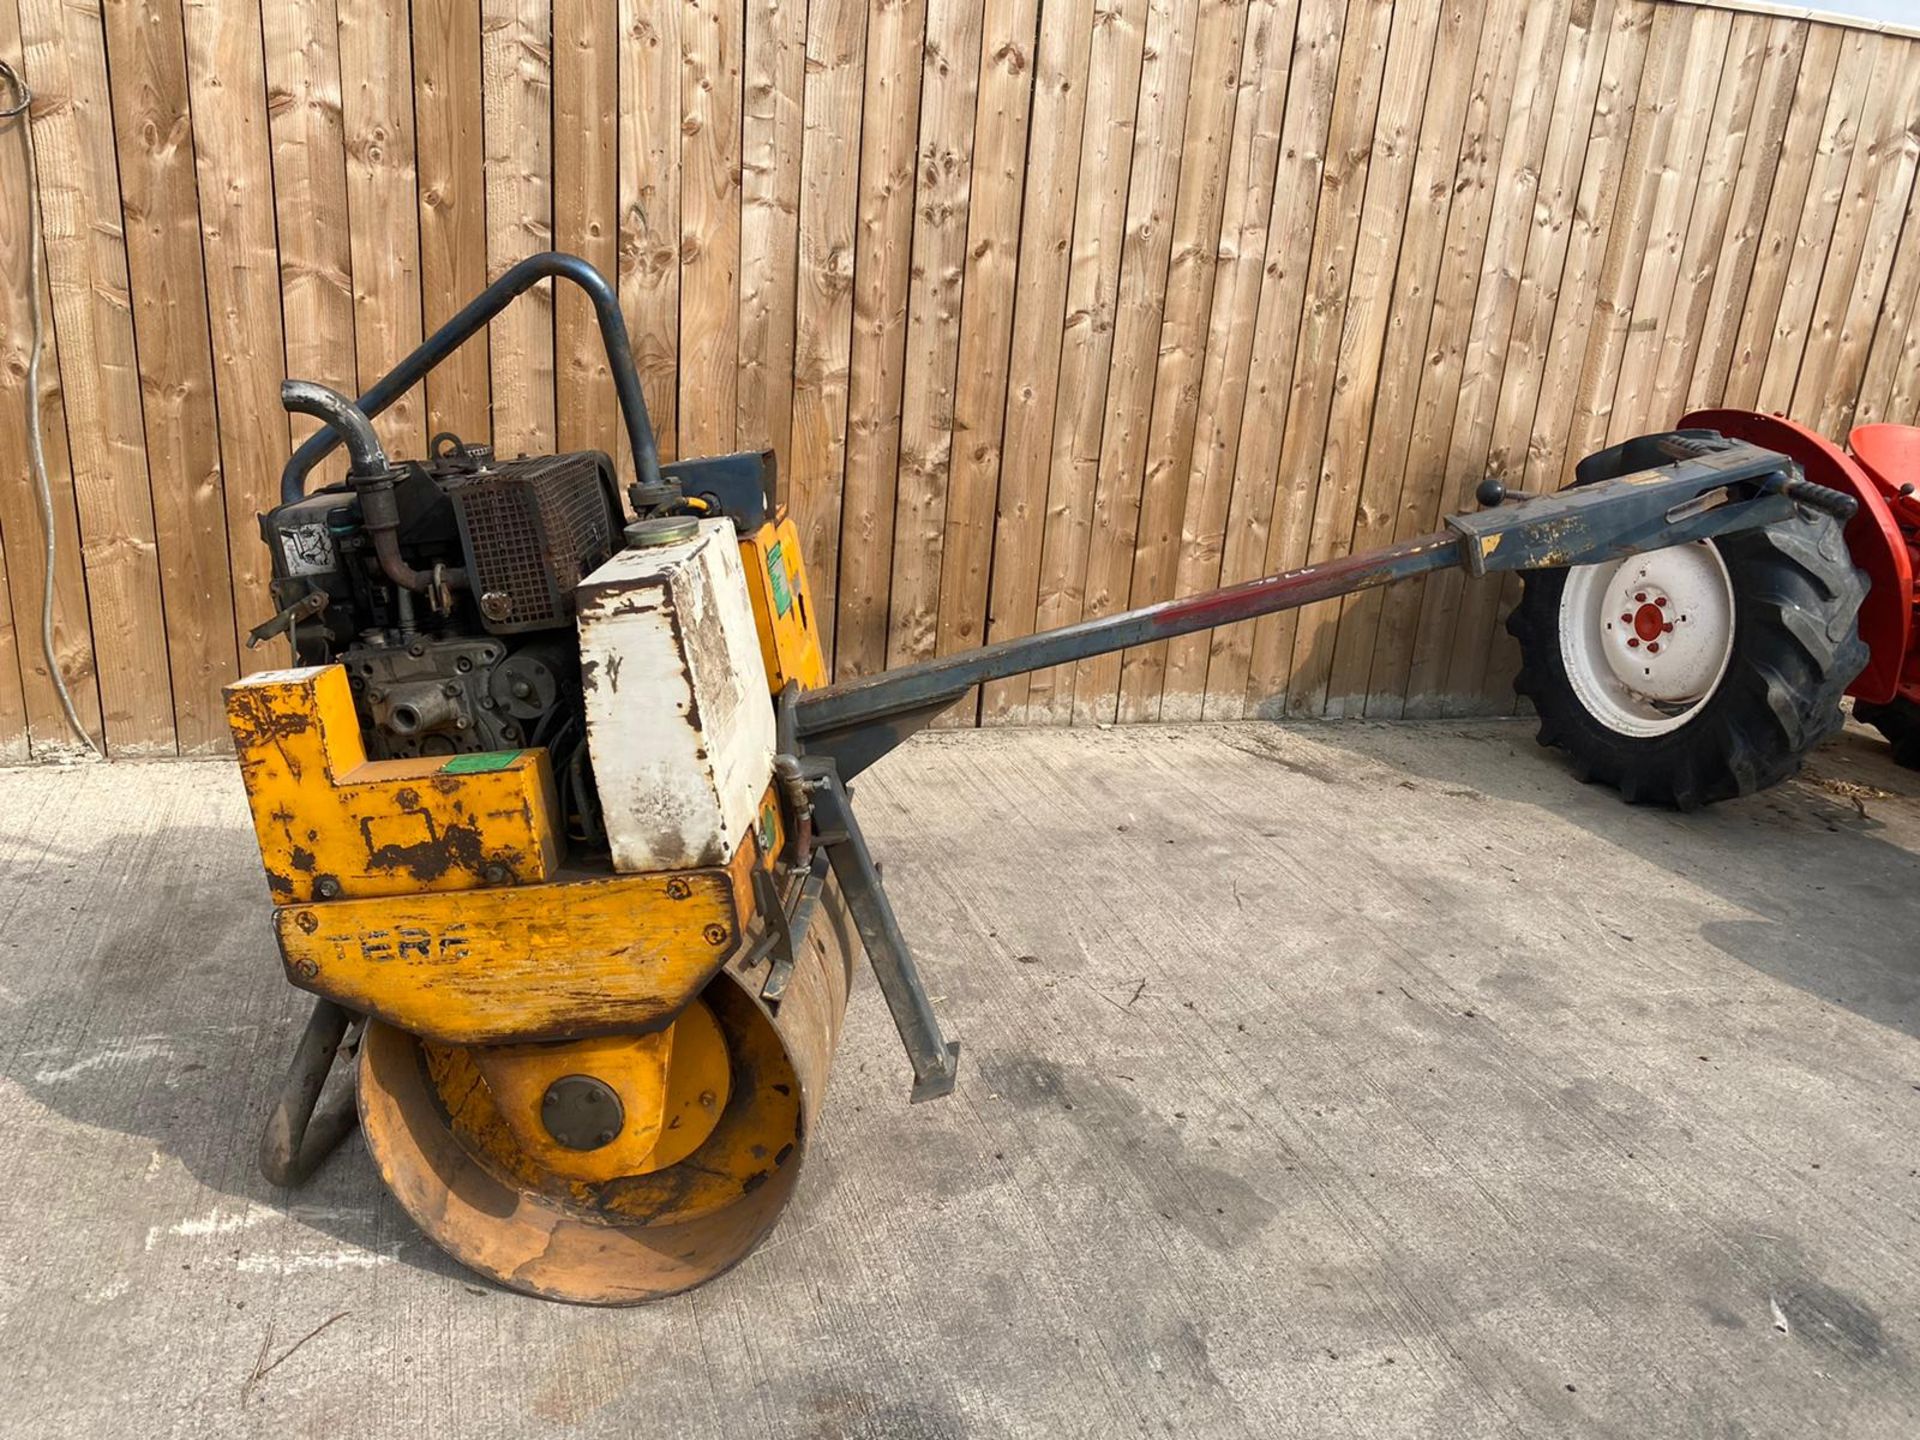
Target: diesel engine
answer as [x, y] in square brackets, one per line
[445, 588]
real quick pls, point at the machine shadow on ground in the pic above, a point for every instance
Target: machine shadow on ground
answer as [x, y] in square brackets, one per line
[168, 1021]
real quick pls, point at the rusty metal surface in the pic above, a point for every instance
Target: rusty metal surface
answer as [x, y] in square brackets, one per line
[638, 1238]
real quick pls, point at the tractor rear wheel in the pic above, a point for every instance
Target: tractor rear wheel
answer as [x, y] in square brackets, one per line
[1699, 672]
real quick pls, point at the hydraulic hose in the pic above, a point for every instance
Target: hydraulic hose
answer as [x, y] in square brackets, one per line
[43, 487]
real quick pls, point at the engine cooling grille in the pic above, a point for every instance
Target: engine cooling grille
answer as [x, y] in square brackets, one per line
[532, 530]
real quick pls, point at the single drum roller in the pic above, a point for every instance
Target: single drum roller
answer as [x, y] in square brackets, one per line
[553, 808]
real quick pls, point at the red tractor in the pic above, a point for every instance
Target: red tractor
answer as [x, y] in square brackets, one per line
[1697, 672]
[1882, 473]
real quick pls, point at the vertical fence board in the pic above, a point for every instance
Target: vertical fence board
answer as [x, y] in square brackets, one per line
[1311, 97]
[949, 84]
[1390, 407]
[1033, 364]
[1219, 79]
[1584, 272]
[226, 73]
[1864, 67]
[710, 49]
[516, 60]
[1330, 477]
[776, 54]
[1162, 150]
[1582, 74]
[36, 722]
[896, 30]
[1345, 173]
[1891, 368]
[302, 42]
[1448, 605]
[1716, 321]
[1087, 336]
[376, 109]
[1683, 184]
[66, 64]
[823, 300]
[1756, 58]
[14, 746]
[1171, 678]
[450, 143]
[1860, 255]
[1786, 193]
[586, 202]
[1450, 333]
[649, 166]
[146, 49]
[987, 307]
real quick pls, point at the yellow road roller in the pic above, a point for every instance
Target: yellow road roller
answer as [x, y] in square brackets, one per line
[553, 808]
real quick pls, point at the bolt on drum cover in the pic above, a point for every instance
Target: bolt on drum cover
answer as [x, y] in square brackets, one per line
[450, 1161]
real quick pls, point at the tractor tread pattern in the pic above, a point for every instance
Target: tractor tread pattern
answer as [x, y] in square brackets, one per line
[1796, 649]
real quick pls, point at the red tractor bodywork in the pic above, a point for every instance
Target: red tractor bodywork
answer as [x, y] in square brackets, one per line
[1883, 475]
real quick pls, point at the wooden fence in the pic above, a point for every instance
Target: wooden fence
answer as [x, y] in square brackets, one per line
[1051, 307]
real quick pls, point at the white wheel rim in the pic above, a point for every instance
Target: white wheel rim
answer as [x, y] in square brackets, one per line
[1646, 640]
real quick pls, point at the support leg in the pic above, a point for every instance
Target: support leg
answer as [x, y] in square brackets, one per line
[935, 1061]
[294, 1142]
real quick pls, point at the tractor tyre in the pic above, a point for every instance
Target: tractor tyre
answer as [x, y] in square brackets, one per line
[1899, 721]
[1699, 672]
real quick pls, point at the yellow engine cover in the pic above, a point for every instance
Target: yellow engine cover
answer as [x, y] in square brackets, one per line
[334, 825]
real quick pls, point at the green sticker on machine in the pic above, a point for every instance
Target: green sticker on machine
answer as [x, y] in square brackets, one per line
[777, 577]
[480, 764]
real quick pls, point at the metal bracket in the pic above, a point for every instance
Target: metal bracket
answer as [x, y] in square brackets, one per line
[786, 926]
[935, 1060]
[305, 608]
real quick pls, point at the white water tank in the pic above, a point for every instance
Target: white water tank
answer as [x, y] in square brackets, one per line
[679, 720]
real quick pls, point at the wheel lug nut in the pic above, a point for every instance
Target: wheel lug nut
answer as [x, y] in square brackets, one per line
[1661, 601]
[1633, 644]
[1667, 629]
[1641, 597]
[1626, 619]
[1653, 647]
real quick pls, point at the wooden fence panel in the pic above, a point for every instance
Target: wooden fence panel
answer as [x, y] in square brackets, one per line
[376, 91]
[1048, 307]
[516, 77]
[302, 40]
[586, 204]
[988, 304]
[82, 226]
[815, 458]
[226, 73]
[31, 717]
[451, 166]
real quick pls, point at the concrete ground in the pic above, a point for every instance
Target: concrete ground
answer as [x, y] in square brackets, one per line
[1323, 1080]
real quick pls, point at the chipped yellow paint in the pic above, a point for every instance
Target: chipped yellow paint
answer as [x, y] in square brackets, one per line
[594, 955]
[672, 1085]
[332, 823]
[782, 613]
[1488, 544]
